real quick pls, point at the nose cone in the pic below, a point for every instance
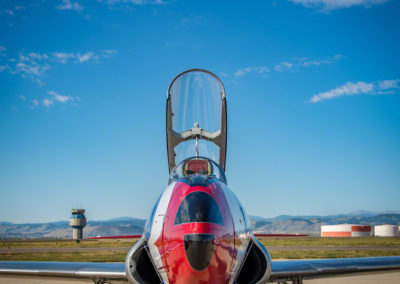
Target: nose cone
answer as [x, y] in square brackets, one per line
[199, 249]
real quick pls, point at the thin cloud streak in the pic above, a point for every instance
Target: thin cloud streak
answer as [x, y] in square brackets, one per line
[56, 98]
[133, 2]
[305, 62]
[68, 5]
[36, 65]
[283, 66]
[63, 57]
[337, 4]
[86, 57]
[60, 98]
[389, 84]
[252, 69]
[288, 65]
[48, 102]
[357, 88]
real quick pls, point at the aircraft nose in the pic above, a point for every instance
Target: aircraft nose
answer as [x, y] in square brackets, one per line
[199, 249]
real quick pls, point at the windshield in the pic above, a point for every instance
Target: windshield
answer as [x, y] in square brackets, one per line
[196, 117]
[198, 207]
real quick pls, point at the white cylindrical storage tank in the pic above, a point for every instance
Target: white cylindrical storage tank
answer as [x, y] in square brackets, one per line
[386, 231]
[361, 231]
[345, 230]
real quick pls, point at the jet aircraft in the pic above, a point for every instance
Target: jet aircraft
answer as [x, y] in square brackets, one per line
[198, 231]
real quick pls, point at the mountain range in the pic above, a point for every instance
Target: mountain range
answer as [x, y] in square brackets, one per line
[287, 224]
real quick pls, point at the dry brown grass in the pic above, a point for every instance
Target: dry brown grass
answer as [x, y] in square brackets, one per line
[119, 256]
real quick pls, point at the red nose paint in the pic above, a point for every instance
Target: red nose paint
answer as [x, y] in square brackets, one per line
[171, 243]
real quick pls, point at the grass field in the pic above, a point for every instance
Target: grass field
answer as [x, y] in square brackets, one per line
[97, 256]
[67, 243]
[314, 254]
[331, 242]
[119, 256]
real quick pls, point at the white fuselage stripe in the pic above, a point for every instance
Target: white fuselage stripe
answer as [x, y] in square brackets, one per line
[156, 231]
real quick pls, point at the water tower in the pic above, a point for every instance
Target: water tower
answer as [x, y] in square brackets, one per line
[77, 221]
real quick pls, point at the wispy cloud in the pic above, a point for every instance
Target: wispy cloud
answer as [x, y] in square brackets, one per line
[389, 84]
[57, 98]
[357, 88]
[86, 57]
[305, 62]
[109, 52]
[14, 10]
[132, 2]
[19, 7]
[193, 20]
[60, 98]
[288, 65]
[48, 102]
[337, 4]
[68, 5]
[283, 66]
[63, 57]
[35, 65]
[32, 64]
[316, 62]
[252, 69]
[4, 67]
[7, 12]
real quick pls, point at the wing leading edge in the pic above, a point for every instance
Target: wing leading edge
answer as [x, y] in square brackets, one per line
[297, 270]
[98, 272]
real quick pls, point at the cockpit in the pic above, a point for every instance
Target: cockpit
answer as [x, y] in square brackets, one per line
[197, 166]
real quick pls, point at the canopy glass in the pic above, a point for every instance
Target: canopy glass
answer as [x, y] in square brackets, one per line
[196, 117]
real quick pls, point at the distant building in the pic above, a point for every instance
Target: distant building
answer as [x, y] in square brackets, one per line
[386, 231]
[77, 221]
[345, 230]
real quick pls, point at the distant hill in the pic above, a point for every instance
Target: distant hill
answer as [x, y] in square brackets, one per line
[112, 227]
[132, 226]
[312, 224]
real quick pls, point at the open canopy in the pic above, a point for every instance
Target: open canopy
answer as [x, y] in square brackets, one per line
[196, 117]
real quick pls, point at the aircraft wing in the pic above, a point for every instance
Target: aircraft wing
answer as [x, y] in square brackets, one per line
[73, 270]
[290, 270]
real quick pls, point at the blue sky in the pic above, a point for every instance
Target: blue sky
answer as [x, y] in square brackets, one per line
[312, 89]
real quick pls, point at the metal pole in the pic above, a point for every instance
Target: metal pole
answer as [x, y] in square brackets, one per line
[197, 146]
